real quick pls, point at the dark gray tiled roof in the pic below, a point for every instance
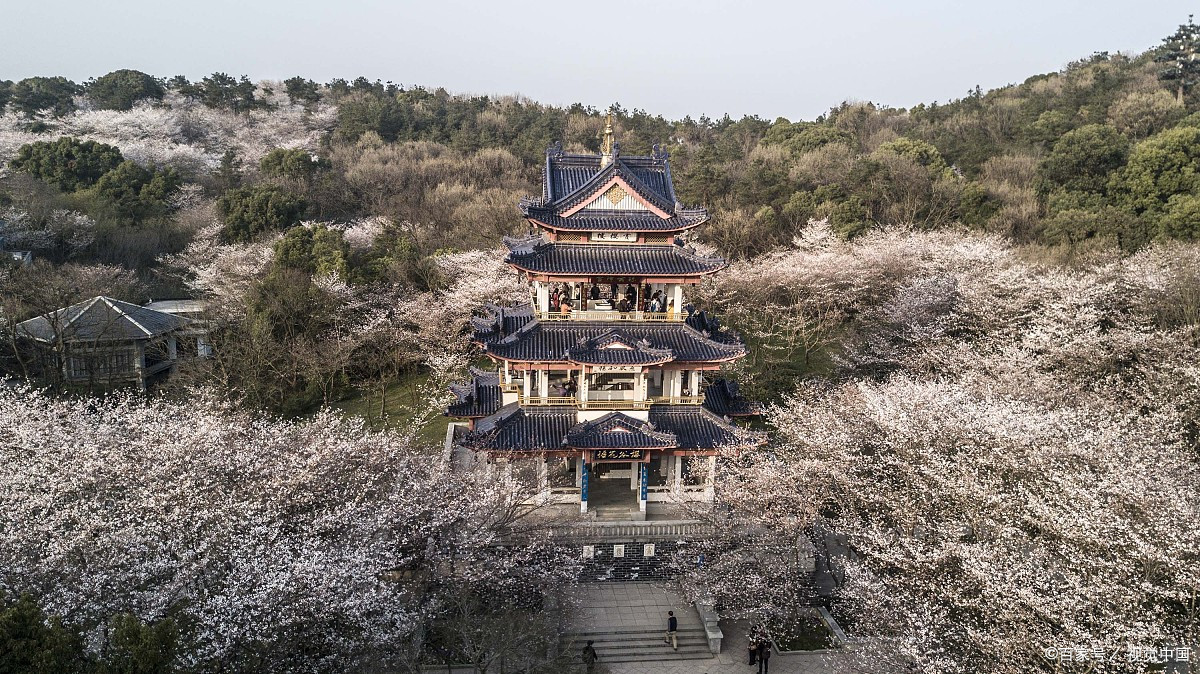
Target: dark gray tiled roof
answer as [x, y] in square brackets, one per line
[552, 428]
[513, 428]
[567, 175]
[101, 319]
[615, 347]
[479, 397]
[722, 397]
[616, 430]
[499, 322]
[635, 221]
[552, 341]
[697, 428]
[591, 259]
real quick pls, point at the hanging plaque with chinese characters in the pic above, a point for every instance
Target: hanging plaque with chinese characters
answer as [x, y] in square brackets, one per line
[622, 237]
[617, 455]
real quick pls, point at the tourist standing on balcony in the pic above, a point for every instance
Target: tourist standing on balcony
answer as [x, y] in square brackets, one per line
[595, 292]
[624, 307]
[554, 303]
[671, 309]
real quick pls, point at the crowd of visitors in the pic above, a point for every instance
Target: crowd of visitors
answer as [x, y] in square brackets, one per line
[562, 301]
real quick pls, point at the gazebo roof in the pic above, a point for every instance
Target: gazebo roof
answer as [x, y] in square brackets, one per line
[479, 397]
[101, 319]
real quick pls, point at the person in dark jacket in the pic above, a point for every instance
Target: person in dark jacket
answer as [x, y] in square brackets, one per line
[672, 627]
[590, 657]
[764, 654]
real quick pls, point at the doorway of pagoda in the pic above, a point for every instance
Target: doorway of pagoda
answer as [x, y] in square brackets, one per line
[612, 491]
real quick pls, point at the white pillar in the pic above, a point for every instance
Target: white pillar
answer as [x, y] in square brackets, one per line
[583, 384]
[634, 474]
[676, 383]
[677, 295]
[543, 295]
[694, 382]
[543, 383]
[543, 476]
[525, 382]
[677, 468]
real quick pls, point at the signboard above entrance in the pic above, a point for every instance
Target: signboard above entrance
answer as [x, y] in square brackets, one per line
[617, 455]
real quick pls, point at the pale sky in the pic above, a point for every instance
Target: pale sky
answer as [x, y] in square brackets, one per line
[675, 58]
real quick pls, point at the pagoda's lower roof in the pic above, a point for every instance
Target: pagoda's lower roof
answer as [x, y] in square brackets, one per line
[539, 256]
[690, 427]
[618, 221]
[584, 342]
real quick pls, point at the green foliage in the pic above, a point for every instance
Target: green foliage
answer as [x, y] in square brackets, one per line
[1082, 159]
[314, 250]
[229, 174]
[248, 211]
[5, 93]
[219, 90]
[1178, 55]
[67, 163]
[1160, 167]
[302, 92]
[133, 193]
[31, 643]
[137, 648]
[292, 163]
[801, 137]
[1181, 220]
[120, 89]
[1076, 226]
[34, 94]
[917, 151]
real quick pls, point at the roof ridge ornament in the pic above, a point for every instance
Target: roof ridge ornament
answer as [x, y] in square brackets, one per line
[608, 147]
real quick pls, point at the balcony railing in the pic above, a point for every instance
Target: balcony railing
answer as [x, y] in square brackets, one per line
[640, 316]
[677, 400]
[569, 401]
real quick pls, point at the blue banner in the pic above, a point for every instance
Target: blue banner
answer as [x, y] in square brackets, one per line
[645, 468]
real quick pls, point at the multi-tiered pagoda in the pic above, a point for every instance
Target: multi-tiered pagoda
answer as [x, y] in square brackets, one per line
[602, 392]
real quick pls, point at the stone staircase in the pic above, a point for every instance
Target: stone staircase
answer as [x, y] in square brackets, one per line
[627, 620]
[639, 645]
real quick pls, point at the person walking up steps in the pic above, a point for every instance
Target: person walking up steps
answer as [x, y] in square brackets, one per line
[590, 657]
[672, 627]
[764, 655]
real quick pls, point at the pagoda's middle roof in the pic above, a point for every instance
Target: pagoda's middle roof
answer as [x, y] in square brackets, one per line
[584, 342]
[538, 255]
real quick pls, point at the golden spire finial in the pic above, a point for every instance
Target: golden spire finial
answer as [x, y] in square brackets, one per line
[606, 146]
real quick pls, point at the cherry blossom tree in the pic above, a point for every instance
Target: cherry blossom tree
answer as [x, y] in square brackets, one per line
[274, 545]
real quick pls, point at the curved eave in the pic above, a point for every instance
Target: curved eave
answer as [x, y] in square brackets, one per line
[545, 225]
[574, 272]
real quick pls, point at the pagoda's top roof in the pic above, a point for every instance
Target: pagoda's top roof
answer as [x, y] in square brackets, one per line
[571, 182]
[617, 430]
[537, 255]
[479, 397]
[580, 342]
[692, 427]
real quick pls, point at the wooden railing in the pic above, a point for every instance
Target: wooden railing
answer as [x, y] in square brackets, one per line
[677, 400]
[640, 316]
[568, 401]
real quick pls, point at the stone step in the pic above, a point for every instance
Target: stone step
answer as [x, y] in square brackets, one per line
[633, 633]
[664, 656]
[639, 645]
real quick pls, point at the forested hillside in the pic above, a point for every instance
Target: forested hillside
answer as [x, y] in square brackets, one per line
[975, 324]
